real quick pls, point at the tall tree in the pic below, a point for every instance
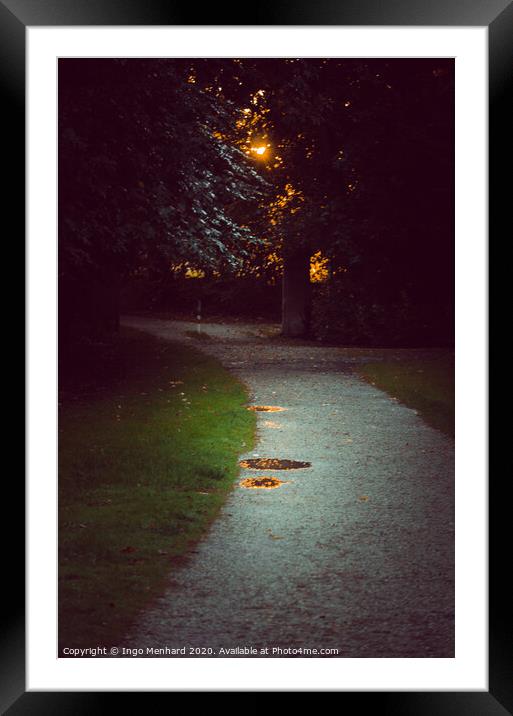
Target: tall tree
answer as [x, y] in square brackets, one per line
[221, 163]
[144, 179]
[360, 154]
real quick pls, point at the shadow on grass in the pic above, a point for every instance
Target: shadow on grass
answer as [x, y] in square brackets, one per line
[149, 437]
[423, 383]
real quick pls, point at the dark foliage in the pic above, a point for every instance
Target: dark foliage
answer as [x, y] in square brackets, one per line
[143, 180]
[156, 172]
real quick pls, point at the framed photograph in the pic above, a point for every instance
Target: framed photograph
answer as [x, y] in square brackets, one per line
[219, 144]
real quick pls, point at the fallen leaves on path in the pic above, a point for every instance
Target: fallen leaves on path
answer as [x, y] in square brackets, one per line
[265, 483]
[272, 463]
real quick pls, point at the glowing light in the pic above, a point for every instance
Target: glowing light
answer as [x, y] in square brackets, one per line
[194, 273]
[319, 268]
[259, 150]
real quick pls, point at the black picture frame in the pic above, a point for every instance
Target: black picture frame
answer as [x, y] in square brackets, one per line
[497, 15]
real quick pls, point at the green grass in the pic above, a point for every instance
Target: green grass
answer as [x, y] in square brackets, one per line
[425, 384]
[149, 438]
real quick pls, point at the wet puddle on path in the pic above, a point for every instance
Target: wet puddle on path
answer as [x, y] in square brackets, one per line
[272, 463]
[266, 408]
[263, 483]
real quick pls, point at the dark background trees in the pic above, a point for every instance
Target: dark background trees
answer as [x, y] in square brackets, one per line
[143, 183]
[162, 190]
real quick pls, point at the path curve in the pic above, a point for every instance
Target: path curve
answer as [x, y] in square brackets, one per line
[355, 553]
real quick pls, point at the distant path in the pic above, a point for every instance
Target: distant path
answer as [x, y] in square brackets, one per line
[354, 553]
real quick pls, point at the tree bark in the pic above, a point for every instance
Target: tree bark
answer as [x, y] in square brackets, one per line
[296, 294]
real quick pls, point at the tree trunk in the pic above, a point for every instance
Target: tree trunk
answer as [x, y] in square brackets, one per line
[296, 294]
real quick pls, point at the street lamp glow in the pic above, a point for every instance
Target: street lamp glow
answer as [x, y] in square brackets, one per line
[259, 150]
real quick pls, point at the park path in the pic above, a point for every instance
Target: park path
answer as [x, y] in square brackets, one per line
[354, 553]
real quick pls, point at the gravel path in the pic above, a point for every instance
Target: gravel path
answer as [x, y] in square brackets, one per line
[354, 553]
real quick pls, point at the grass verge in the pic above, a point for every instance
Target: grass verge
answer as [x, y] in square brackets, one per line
[425, 384]
[149, 437]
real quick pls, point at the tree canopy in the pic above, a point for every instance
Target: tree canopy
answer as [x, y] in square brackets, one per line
[142, 178]
[234, 164]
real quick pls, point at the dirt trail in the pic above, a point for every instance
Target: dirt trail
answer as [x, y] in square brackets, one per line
[354, 553]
